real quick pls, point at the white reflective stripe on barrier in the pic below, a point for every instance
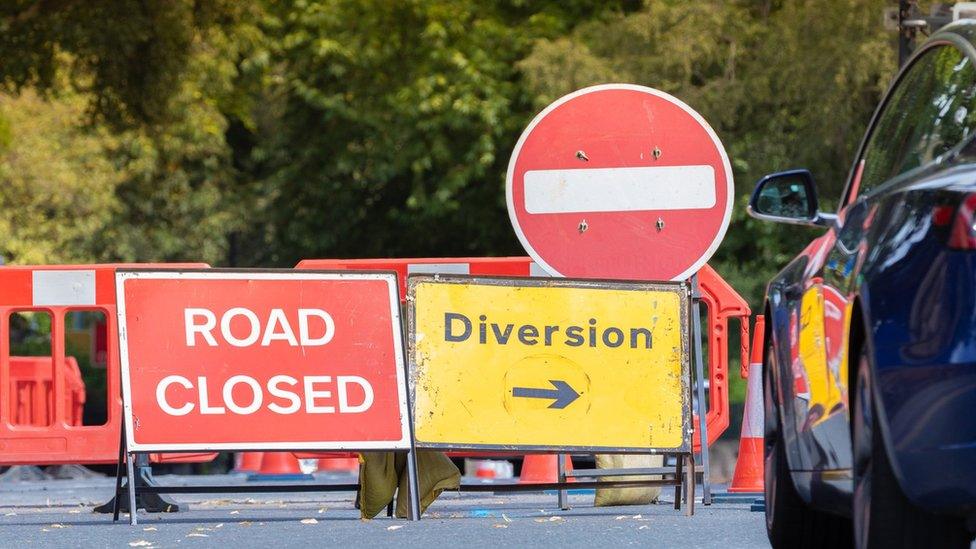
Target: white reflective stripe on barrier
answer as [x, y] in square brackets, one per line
[620, 189]
[60, 288]
[439, 268]
[536, 270]
[752, 417]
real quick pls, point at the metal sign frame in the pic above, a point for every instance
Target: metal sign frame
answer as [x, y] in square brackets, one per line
[682, 474]
[129, 451]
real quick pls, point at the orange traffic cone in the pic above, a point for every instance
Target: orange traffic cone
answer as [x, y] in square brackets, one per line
[279, 466]
[339, 464]
[748, 476]
[247, 462]
[541, 468]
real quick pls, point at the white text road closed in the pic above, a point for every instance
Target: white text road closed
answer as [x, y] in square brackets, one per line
[282, 394]
[202, 324]
[297, 360]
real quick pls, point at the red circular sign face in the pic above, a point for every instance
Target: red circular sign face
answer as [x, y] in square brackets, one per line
[619, 181]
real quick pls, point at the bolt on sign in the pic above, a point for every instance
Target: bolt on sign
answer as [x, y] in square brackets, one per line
[261, 360]
[547, 364]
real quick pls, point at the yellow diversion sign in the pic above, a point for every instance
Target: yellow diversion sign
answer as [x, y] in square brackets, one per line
[549, 364]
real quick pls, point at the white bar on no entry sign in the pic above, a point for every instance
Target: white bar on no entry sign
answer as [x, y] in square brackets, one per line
[619, 189]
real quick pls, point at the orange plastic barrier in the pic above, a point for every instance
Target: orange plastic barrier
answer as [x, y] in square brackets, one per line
[32, 381]
[490, 266]
[51, 431]
[721, 302]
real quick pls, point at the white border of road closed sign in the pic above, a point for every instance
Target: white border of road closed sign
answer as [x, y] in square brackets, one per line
[326, 369]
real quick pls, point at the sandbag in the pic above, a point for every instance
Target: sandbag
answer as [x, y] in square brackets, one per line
[638, 495]
[383, 474]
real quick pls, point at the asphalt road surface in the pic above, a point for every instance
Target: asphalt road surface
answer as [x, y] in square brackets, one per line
[58, 513]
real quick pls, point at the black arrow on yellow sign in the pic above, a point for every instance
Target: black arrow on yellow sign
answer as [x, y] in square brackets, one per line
[563, 395]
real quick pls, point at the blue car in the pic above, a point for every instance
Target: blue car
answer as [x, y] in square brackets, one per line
[870, 360]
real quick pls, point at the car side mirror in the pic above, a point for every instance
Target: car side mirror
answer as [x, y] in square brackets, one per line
[788, 197]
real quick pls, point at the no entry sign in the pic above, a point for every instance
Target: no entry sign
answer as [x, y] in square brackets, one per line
[261, 360]
[620, 181]
[549, 364]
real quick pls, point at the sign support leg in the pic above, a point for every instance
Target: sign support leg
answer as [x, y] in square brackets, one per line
[696, 334]
[678, 475]
[131, 480]
[561, 472]
[690, 484]
[414, 488]
[116, 505]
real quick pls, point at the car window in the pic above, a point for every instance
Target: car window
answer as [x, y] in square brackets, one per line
[930, 111]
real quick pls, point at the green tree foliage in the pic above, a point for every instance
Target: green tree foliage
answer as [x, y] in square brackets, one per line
[394, 121]
[73, 192]
[58, 183]
[155, 87]
[131, 55]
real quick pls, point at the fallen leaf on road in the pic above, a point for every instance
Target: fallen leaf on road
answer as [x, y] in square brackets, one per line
[322, 510]
[149, 529]
[73, 512]
[396, 527]
[197, 535]
[235, 512]
[555, 519]
[215, 502]
[140, 543]
[501, 526]
[636, 516]
[245, 523]
[56, 525]
[505, 518]
[309, 521]
[643, 527]
[10, 514]
[221, 525]
[44, 530]
[201, 529]
[541, 520]
[621, 517]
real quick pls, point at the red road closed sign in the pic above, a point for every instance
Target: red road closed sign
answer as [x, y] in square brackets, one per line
[261, 360]
[620, 181]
